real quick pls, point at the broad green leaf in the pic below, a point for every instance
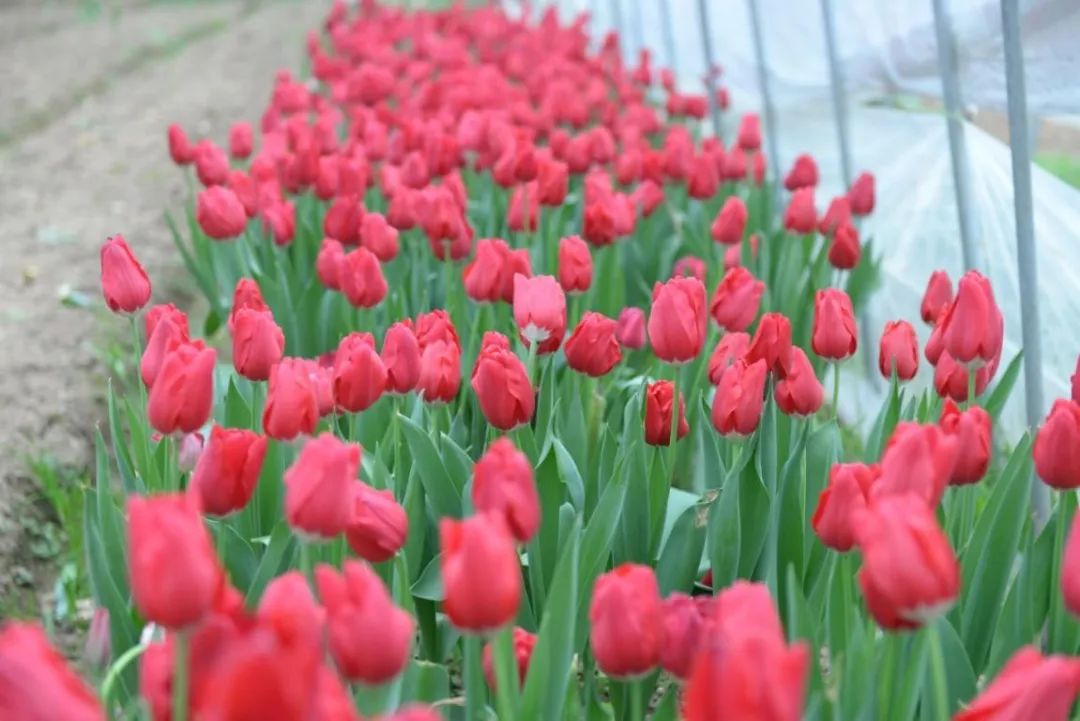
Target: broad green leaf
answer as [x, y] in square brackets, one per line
[429, 585]
[277, 556]
[442, 493]
[680, 558]
[596, 543]
[568, 469]
[997, 398]
[959, 678]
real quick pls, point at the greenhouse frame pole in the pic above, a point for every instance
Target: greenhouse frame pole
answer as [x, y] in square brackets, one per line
[710, 64]
[669, 38]
[1025, 237]
[950, 87]
[839, 94]
[773, 148]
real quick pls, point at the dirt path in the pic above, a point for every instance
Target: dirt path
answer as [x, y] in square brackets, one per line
[82, 156]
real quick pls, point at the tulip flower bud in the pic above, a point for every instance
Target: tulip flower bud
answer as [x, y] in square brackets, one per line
[899, 350]
[799, 392]
[575, 264]
[486, 277]
[689, 266]
[502, 387]
[630, 328]
[540, 311]
[909, 574]
[124, 283]
[524, 642]
[803, 173]
[524, 208]
[740, 395]
[730, 222]
[918, 459]
[1030, 686]
[241, 140]
[36, 684]
[704, 180]
[480, 571]
[440, 371]
[834, 334]
[370, 638]
[626, 599]
[972, 325]
[972, 430]
[292, 404]
[359, 373]
[682, 624]
[211, 164]
[659, 405]
[749, 137]
[288, 607]
[503, 484]
[258, 343]
[838, 214]
[401, 357]
[220, 213]
[362, 279]
[342, 221]
[379, 525]
[845, 251]
[677, 320]
[182, 395]
[592, 348]
[730, 348]
[180, 148]
[553, 179]
[246, 296]
[320, 487]
[378, 236]
[228, 469]
[861, 195]
[937, 297]
[801, 216]
[772, 343]
[1057, 446]
[328, 263]
[174, 574]
[736, 300]
[847, 493]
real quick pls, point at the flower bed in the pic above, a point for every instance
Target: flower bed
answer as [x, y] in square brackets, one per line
[464, 433]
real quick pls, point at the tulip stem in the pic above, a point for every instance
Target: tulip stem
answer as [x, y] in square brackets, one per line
[673, 437]
[937, 669]
[506, 674]
[636, 690]
[114, 672]
[970, 387]
[530, 362]
[474, 678]
[836, 392]
[305, 562]
[180, 678]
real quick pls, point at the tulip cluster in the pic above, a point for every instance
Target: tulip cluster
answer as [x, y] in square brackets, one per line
[509, 400]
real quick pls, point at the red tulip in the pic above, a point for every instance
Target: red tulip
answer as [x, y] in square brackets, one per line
[379, 525]
[733, 253]
[362, 279]
[834, 334]
[328, 263]
[444, 224]
[937, 298]
[740, 395]
[972, 429]
[1070, 568]
[36, 684]
[861, 194]
[772, 343]
[359, 373]
[320, 486]
[972, 325]
[627, 619]
[258, 343]
[243, 186]
[730, 348]
[730, 223]
[227, 470]
[575, 264]
[524, 642]
[540, 311]
[246, 296]
[211, 164]
[220, 213]
[1057, 446]
[490, 277]
[288, 607]
[677, 319]
[703, 180]
[919, 460]
[1030, 686]
[749, 137]
[599, 222]
[503, 485]
[799, 392]
[734, 165]
[182, 396]
[440, 371]
[745, 669]
[848, 493]
[480, 571]
[292, 403]
[898, 351]
[502, 387]
[682, 628]
[124, 283]
[523, 210]
[592, 348]
[174, 574]
[180, 148]
[736, 300]
[845, 251]
[241, 140]
[168, 333]
[801, 215]
[378, 236]
[401, 357]
[646, 198]
[630, 328]
[951, 378]
[803, 173]
[658, 413]
[370, 638]
[909, 574]
[837, 215]
[552, 180]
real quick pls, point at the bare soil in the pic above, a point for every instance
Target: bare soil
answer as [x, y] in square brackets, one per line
[88, 90]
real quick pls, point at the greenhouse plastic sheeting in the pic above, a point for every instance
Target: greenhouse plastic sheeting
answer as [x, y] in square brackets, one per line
[888, 48]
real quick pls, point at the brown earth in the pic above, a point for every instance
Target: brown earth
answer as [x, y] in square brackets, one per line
[88, 89]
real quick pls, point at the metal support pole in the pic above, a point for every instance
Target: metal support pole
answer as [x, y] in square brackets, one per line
[772, 148]
[950, 87]
[1025, 237]
[836, 80]
[710, 64]
[669, 38]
